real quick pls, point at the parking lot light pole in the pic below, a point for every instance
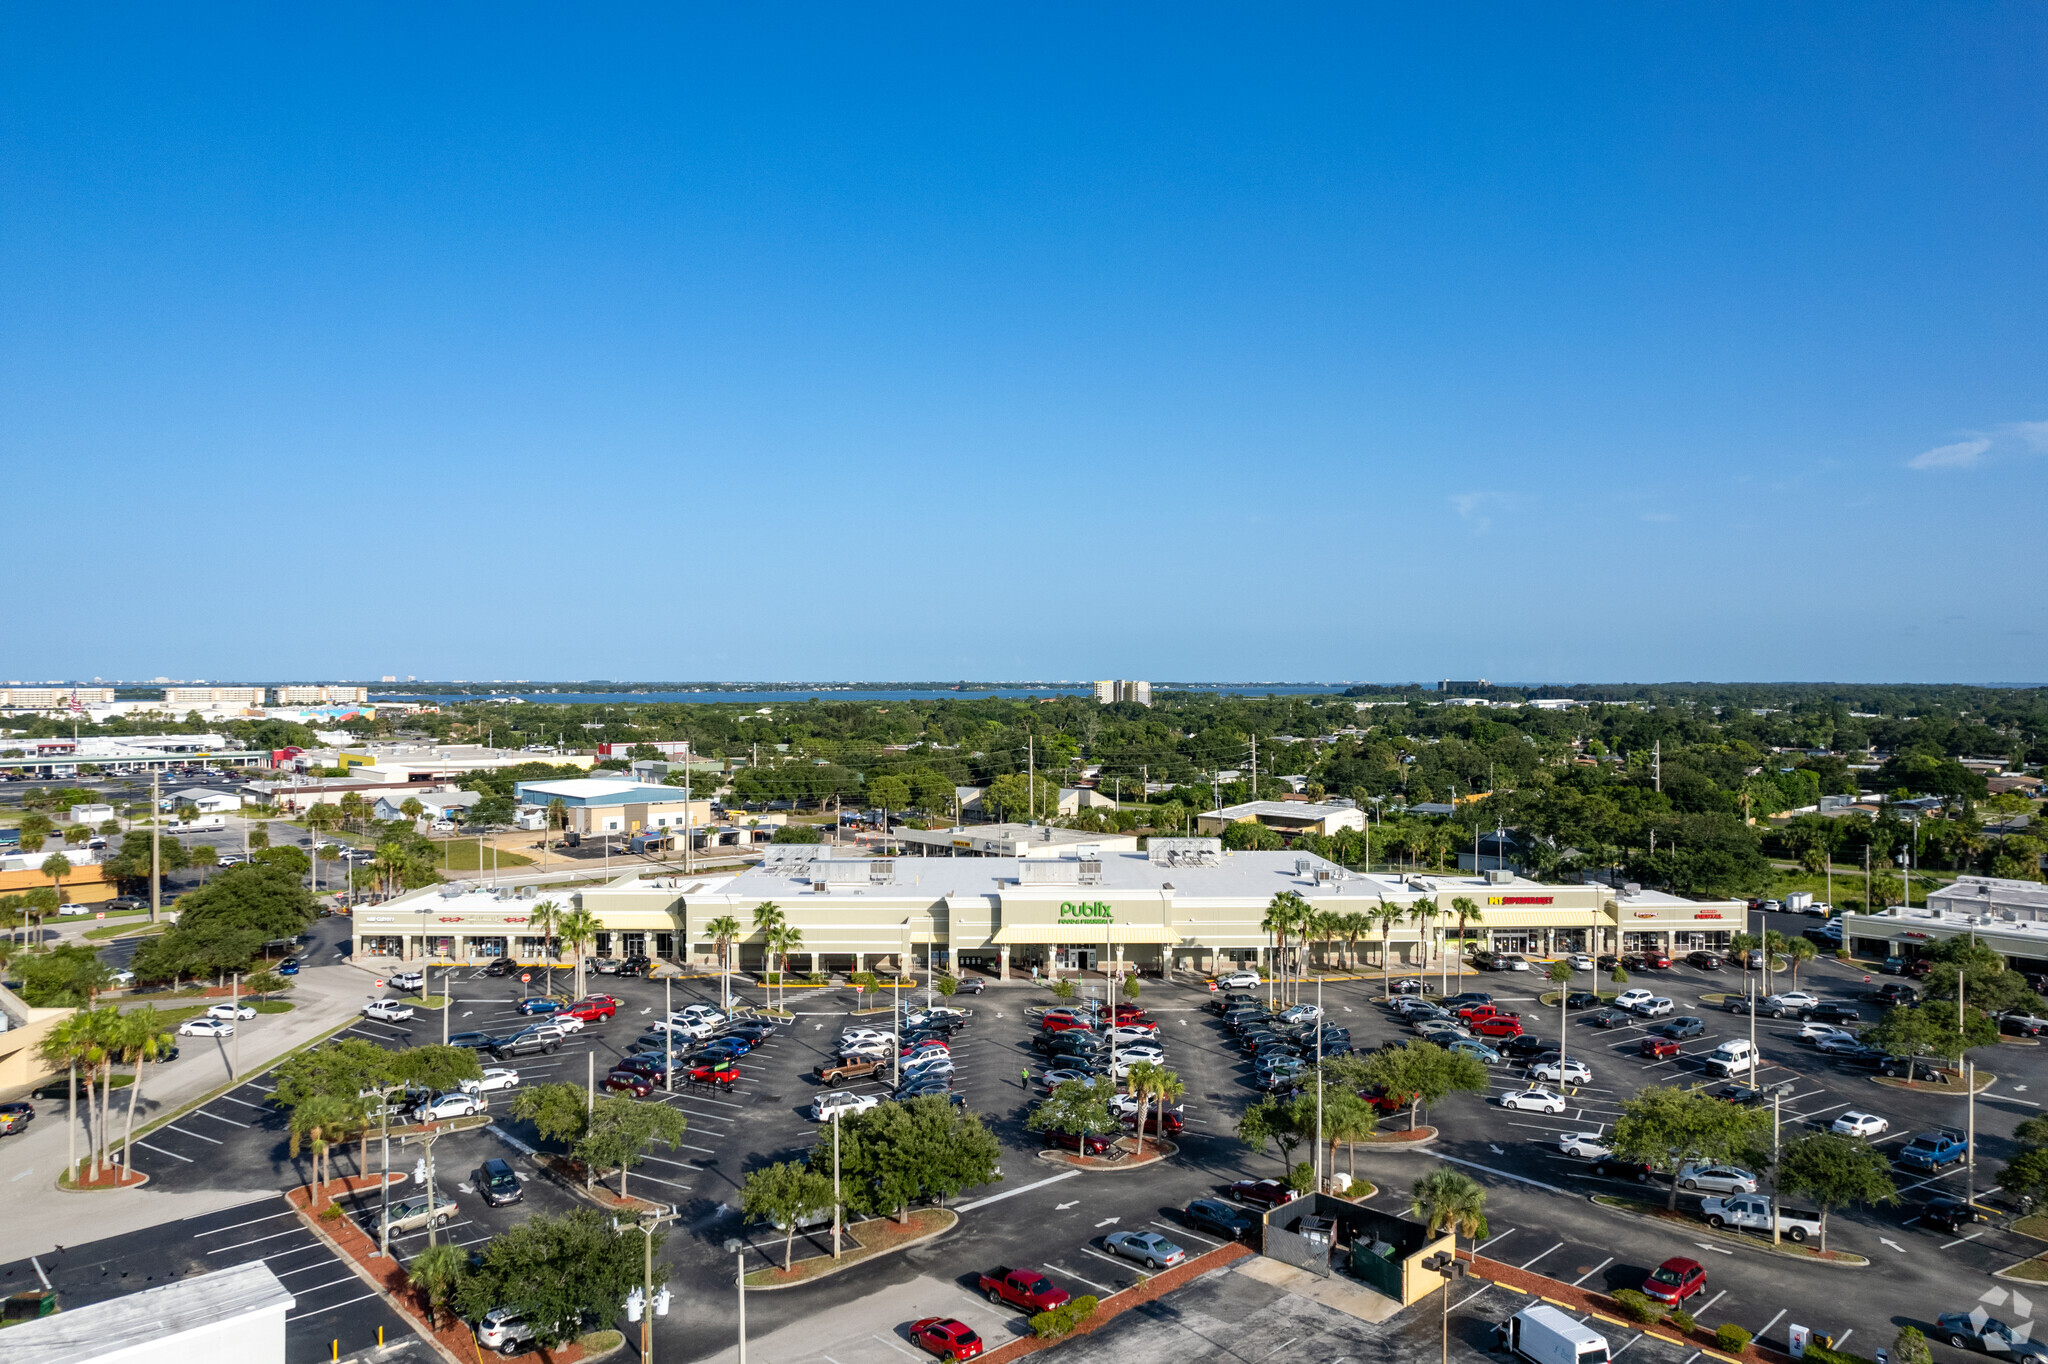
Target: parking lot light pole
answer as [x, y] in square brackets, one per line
[1319, 1091]
[740, 1279]
[1446, 1263]
[1777, 1132]
[645, 1224]
[835, 1184]
[668, 1033]
[235, 1061]
[1752, 1033]
[383, 1096]
[1970, 1134]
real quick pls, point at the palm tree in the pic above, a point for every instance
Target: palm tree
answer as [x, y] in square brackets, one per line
[784, 939]
[57, 866]
[724, 931]
[1467, 912]
[1140, 1085]
[1349, 1120]
[147, 1040]
[70, 1044]
[1799, 951]
[434, 1273]
[1384, 916]
[545, 919]
[1422, 910]
[578, 928]
[1286, 912]
[1450, 1201]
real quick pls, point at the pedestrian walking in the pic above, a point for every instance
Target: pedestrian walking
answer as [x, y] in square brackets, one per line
[1025, 1083]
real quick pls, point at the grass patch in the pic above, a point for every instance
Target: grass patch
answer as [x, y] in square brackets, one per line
[2033, 1271]
[597, 1342]
[126, 930]
[1848, 884]
[462, 854]
[2034, 1225]
[272, 1006]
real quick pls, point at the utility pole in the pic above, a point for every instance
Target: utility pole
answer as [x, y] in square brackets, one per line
[426, 1139]
[1030, 780]
[836, 1211]
[1777, 1129]
[741, 1280]
[668, 1034]
[1867, 907]
[1254, 788]
[1319, 1089]
[384, 1130]
[156, 888]
[650, 1305]
[235, 1064]
[1657, 763]
[1752, 1030]
[1970, 1135]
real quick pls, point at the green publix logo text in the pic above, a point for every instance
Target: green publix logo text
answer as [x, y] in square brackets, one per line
[1087, 912]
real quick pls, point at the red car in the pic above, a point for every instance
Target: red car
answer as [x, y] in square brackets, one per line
[591, 1010]
[1261, 1193]
[1382, 1101]
[1659, 1047]
[1472, 1012]
[1657, 961]
[629, 1082]
[946, 1337]
[1676, 1280]
[1125, 1013]
[1156, 1122]
[1498, 1025]
[1098, 1144]
[1063, 1023]
[722, 1073]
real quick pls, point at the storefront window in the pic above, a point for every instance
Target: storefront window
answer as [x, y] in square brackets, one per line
[665, 945]
[487, 947]
[383, 947]
[634, 944]
[1641, 942]
[604, 944]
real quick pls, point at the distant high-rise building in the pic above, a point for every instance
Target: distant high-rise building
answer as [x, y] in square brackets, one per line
[213, 696]
[1108, 691]
[53, 698]
[1450, 688]
[389, 677]
[321, 696]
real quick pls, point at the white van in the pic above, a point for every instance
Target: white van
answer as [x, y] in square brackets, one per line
[1733, 1057]
[1545, 1335]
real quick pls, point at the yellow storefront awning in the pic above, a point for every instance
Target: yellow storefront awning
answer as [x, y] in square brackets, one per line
[1082, 935]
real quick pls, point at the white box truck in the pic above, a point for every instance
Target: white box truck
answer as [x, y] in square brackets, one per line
[1798, 901]
[1545, 1335]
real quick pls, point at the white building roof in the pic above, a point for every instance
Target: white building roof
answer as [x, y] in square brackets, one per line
[599, 790]
[102, 1330]
[1306, 811]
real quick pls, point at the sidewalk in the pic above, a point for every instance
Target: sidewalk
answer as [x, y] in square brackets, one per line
[39, 1217]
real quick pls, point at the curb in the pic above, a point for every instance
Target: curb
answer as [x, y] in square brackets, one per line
[1067, 1159]
[845, 1264]
[1985, 1079]
[1414, 1144]
[1736, 1238]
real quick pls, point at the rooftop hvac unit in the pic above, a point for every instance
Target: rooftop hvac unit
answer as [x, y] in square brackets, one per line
[1326, 874]
[1631, 888]
[528, 892]
[1499, 877]
[1303, 865]
[882, 871]
[1091, 870]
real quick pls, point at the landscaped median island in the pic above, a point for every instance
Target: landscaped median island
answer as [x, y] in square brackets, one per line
[1797, 1250]
[865, 1240]
[1108, 1308]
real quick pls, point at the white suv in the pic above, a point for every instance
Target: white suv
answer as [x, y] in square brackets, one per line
[1632, 999]
[841, 1101]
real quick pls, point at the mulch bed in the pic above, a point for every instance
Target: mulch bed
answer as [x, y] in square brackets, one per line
[110, 1177]
[1604, 1307]
[876, 1236]
[454, 1338]
[1156, 1150]
[1158, 1286]
[1397, 1138]
[571, 1174]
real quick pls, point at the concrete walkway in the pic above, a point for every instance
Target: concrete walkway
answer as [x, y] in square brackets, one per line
[39, 1217]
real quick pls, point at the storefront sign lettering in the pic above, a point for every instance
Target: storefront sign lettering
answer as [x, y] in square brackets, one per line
[1646, 914]
[1519, 899]
[1086, 912]
[451, 918]
[1709, 914]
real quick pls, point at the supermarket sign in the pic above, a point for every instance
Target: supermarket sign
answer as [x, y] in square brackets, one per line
[1520, 899]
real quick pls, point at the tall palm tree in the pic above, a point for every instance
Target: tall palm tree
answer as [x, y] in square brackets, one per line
[545, 919]
[784, 939]
[1798, 951]
[1139, 1082]
[1284, 913]
[1353, 926]
[724, 931]
[1384, 916]
[57, 866]
[768, 917]
[70, 1044]
[147, 1040]
[1467, 910]
[578, 928]
[1422, 910]
[1450, 1201]
[1349, 1119]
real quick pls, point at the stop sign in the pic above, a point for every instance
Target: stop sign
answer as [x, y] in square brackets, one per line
[526, 977]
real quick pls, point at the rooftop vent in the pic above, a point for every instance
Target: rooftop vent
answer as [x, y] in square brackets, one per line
[1499, 877]
[1049, 872]
[1184, 852]
[1090, 869]
[1631, 888]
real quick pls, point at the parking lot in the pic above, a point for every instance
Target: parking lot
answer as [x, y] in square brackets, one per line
[1054, 1217]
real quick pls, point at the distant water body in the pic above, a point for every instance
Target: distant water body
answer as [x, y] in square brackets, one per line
[616, 698]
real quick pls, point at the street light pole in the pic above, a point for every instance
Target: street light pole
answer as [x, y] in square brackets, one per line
[1446, 1263]
[668, 1035]
[740, 1279]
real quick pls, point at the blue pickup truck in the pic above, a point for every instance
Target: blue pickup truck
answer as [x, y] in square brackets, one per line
[1932, 1150]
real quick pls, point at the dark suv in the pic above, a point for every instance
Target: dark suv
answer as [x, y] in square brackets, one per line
[525, 1044]
[496, 1182]
[1832, 1013]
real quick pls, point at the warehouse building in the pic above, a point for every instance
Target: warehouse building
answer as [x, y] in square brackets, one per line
[599, 806]
[2006, 915]
[1183, 904]
[1288, 816]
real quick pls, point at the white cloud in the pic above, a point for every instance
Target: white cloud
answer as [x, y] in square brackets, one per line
[1474, 508]
[2035, 434]
[1964, 454]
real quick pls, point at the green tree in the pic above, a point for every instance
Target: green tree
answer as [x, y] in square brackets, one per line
[1248, 835]
[436, 1273]
[545, 919]
[786, 1192]
[559, 1112]
[554, 1270]
[1012, 797]
[1350, 1120]
[1665, 1127]
[1424, 1074]
[62, 977]
[1270, 1121]
[57, 866]
[264, 984]
[724, 931]
[578, 930]
[1384, 916]
[1909, 1346]
[1835, 1170]
[621, 1132]
[898, 1153]
[145, 1039]
[1448, 1200]
[1799, 951]
[436, 1067]
[259, 837]
[1076, 1107]
[888, 793]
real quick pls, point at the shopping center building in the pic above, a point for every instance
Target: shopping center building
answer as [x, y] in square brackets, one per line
[1183, 904]
[2007, 915]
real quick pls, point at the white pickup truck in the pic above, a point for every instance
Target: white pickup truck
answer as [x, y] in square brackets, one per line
[1752, 1212]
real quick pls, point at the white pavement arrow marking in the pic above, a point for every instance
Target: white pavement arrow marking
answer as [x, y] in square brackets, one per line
[2022, 1306]
[1718, 1250]
[1062, 1207]
[1994, 1296]
[1893, 1244]
[2020, 1088]
[1108, 1221]
[1495, 1149]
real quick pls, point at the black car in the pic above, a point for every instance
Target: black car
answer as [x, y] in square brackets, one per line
[1678, 1029]
[1066, 1044]
[1705, 961]
[1582, 999]
[1613, 1167]
[478, 1041]
[1863, 1056]
[636, 966]
[1832, 1013]
[497, 1184]
[1736, 1004]
[2022, 1025]
[502, 966]
[1892, 993]
[1948, 1214]
[1224, 1003]
[1611, 1018]
[1523, 1045]
[1219, 1218]
[1469, 997]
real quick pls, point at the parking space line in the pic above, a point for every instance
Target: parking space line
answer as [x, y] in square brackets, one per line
[1960, 1239]
[1503, 1236]
[1533, 1261]
[1591, 1272]
[160, 1151]
[244, 1102]
[258, 1240]
[214, 1231]
[347, 1278]
[172, 1127]
[218, 1118]
[1090, 1250]
[1083, 1278]
[1183, 1231]
[1772, 1322]
[343, 1303]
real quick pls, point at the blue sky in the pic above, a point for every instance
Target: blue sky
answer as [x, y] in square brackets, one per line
[1544, 343]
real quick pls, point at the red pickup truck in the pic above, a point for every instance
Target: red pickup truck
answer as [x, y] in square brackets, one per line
[1025, 1288]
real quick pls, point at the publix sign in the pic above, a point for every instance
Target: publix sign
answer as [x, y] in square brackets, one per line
[1085, 912]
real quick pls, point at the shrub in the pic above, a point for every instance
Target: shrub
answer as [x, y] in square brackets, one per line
[1638, 1307]
[948, 985]
[866, 978]
[1063, 1318]
[1063, 989]
[1731, 1337]
[1682, 1319]
[331, 1213]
